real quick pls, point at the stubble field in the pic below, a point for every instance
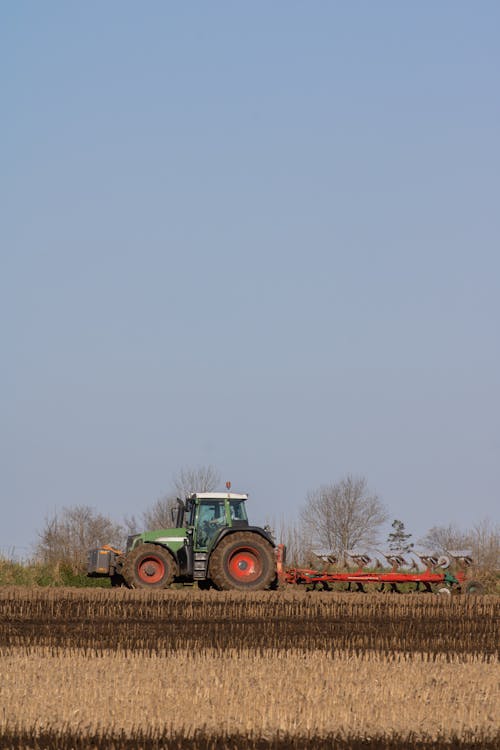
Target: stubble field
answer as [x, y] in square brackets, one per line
[191, 669]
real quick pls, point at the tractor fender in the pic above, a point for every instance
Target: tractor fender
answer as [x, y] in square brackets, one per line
[174, 554]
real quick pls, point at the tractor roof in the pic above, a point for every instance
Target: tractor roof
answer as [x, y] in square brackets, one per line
[218, 496]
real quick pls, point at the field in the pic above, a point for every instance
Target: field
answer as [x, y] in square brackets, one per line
[199, 670]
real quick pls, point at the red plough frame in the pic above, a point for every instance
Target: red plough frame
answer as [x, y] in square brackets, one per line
[360, 577]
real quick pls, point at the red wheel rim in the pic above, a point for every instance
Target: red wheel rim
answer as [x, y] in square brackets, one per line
[245, 564]
[151, 569]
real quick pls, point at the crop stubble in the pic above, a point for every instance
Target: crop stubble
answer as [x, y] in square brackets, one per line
[283, 668]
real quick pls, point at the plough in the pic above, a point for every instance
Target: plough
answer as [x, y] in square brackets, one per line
[428, 572]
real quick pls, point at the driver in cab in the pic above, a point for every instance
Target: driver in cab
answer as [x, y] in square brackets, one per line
[211, 518]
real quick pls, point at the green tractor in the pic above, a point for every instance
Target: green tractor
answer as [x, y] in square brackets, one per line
[212, 543]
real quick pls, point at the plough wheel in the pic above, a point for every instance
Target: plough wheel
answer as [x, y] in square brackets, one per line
[474, 587]
[149, 566]
[243, 561]
[443, 591]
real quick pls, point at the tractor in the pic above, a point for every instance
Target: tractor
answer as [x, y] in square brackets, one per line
[211, 543]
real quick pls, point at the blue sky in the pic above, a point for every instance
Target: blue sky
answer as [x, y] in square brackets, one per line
[260, 236]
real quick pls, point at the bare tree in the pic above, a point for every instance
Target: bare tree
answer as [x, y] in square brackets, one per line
[486, 545]
[483, 540]
[159, 515]
[184, 483]
[444, 538]
[130, 526]
[200, 479]
[343, 516]
[67, 536]
[295, 539]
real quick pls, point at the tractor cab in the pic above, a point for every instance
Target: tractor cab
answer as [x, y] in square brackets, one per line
[208, 513]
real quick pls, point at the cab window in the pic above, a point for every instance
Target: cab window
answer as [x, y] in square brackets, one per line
[238, 510]
[211, 517]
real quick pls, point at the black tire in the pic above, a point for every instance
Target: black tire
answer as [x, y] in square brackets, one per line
[205, 585]
[149, 566]
[243, 561]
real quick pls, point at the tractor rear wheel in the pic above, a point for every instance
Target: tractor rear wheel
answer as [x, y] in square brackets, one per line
[149, 566]
[243, 561]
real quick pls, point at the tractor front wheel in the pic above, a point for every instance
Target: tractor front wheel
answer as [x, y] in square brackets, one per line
[243, 561]
[149, 566]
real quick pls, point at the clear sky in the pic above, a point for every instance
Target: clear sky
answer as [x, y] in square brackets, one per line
[262, 236]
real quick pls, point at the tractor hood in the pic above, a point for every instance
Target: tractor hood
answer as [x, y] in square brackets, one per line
[174, 539]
